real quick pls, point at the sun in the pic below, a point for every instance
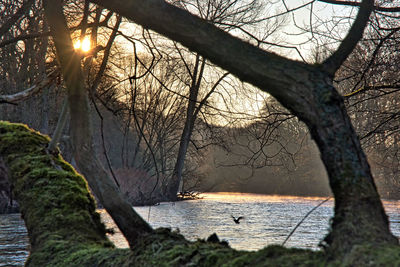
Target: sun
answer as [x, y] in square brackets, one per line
[84, 45]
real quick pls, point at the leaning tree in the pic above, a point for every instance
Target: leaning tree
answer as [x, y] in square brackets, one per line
[308, 92]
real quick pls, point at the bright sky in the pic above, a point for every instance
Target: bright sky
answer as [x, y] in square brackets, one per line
[326, 18]
[293, 34]
[296, 33]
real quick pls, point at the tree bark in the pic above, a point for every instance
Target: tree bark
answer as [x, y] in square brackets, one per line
[62, 120]
[307, 91]
[129, 222]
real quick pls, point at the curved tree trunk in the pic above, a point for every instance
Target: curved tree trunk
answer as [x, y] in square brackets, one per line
[307, 91]
[359, 214]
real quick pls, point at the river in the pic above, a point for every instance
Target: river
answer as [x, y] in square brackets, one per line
[267, 220]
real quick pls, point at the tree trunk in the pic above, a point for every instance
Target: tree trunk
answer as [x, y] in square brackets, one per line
[307, 91]
[359, 214]
[191, 115]
[128, 221]
[173, 183]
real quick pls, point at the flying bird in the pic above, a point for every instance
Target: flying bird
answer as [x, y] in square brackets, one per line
[237, 220]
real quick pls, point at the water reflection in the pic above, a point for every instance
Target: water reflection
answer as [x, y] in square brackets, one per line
[268, 220]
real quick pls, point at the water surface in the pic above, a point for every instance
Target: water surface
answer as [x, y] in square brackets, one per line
[14, 243]
[268, 220]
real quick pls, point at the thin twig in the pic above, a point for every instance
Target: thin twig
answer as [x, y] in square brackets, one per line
[302, 220]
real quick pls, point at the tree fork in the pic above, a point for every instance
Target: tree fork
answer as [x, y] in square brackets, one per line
[307, 91]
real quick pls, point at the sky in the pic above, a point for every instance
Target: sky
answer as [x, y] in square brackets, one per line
[325, 18]
[294, 33]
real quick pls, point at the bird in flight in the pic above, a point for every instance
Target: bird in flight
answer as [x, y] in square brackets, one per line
[237, 220]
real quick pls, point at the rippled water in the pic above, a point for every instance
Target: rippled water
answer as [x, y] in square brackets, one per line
[268, 220]
[14, 243]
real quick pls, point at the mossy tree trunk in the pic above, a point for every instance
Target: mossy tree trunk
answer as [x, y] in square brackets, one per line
[307, 91]
[65, 230]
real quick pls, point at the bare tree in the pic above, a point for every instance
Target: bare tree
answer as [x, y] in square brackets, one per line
[201, 79]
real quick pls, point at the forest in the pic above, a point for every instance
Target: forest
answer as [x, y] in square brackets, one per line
[150, 101]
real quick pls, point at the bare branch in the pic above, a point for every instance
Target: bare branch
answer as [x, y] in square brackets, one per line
[351, 3]
[332, 64]
[14, 18]
[24, 37]
[27, 93]
[106, 55]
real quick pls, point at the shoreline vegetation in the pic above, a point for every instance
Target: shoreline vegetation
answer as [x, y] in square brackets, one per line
[65, 230]
[7, 208]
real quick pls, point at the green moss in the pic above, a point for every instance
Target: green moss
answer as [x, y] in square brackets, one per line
[168, 249]
[54, 200]
[279, 256]
[371, 255]
[65, 230]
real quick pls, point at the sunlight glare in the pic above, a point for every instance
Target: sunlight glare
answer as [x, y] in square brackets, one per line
[77, 44]
[84, 46]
